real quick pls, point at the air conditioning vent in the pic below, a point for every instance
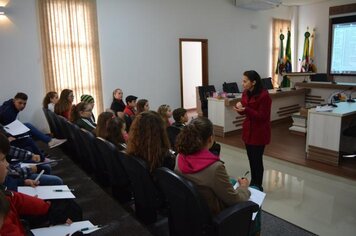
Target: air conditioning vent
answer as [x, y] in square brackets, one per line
[257, 5]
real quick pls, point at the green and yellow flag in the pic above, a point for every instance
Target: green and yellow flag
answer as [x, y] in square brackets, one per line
[305, 58]
[280, 64]
[287, 61]
[312, 67]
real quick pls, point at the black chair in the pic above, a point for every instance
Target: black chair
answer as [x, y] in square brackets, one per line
[172, 132]
[50, 121]
[147, 198]
[350, 132]
[111, 169]
[189, 213]
[87, 140]
[230, 87]
[267, 83]
[204, 93]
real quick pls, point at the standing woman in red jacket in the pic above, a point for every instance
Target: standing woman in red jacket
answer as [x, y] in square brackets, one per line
[256, 106]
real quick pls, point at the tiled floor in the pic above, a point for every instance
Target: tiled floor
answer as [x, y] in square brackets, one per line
[321, 203]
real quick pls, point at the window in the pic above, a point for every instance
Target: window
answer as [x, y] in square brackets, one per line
[70, 48]
[278, 26]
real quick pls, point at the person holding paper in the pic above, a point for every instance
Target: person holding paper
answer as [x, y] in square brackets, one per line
[25, 175]
[256, 129]
[9, 111]
[21, 204]
[206, 170]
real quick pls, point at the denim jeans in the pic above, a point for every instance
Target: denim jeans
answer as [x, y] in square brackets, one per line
[38, 134]
[47, 179]
[28, 144]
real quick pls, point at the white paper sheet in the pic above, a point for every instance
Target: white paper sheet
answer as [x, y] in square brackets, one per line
[16, 128]
[49, 161]
[47, 192]
[63, 230]
[256, 196]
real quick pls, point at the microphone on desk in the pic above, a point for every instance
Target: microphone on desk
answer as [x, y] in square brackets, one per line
[331, 98]
[350, 96]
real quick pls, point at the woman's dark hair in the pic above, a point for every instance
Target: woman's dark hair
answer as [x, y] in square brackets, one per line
[4, 144]
[4, 205]
[193, 137]
[148, 139]
[254, 76]
[140, 105]
[47, 99]
[101, 126]
[113, 130]
[76, 109]
[63, 103]
[178, 114]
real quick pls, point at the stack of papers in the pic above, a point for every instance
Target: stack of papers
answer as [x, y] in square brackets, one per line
[16, 128]
[48, 192]
[256, 197]
[324, 108]
[62, 230]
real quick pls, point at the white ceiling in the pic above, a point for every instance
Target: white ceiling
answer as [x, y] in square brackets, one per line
[300, 2]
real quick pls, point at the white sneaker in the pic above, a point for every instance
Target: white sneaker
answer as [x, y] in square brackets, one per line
[56, 142]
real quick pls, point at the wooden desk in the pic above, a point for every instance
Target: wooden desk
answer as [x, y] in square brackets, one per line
[325, 141]
[320, 92]
[226, 119]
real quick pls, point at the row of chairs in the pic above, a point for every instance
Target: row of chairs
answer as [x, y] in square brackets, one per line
[153, 193]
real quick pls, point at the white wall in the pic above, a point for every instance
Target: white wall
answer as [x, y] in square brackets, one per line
[317, 16]
[20, 58]
[139, 43]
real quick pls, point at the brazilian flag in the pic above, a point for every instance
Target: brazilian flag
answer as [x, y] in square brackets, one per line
[287, 62]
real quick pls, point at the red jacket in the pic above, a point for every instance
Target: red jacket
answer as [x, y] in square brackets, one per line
[21, 204]
[257, 124]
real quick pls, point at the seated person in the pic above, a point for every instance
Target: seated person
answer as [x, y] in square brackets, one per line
[116, 133]
[11, 108]
[21, 204]
[50, 100]
[206, 170]
[90, 100]
[180, 117]
[20, 176]
[166, 113]
[112, 129]
[103, 119]
[81, 115]
[142, 105]
[64, 105]
[148, 140]
[130, 110]
[117, 105]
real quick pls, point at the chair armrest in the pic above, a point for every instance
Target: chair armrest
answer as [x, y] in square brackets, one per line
[235, 220]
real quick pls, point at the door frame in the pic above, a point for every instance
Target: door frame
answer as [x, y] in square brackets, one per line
[205, 65]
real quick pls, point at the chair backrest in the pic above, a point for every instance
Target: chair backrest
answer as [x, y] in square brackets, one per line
[146, 195]
[172, 133]
[267, 83]
[110, 163]
[230, 87]
[319, 77]
[91, 153]
[189, 214]
[50, 121]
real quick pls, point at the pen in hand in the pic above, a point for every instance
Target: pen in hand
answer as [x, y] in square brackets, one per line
[90, 228]
[246, 173]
